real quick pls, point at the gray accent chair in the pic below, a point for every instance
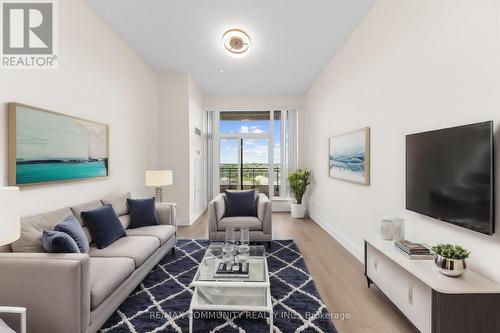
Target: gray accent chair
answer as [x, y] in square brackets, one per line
[77, 292]
[260, 226]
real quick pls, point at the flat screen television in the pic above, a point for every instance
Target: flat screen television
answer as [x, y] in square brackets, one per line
[450, 175]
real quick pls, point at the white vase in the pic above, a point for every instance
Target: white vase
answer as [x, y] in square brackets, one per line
[398, 229]
[386, 229]
[298, 210]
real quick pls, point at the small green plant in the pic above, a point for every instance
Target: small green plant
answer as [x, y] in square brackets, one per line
[451, 251]
[299, 180]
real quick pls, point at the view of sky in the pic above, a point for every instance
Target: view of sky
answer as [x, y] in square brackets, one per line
[254, 150]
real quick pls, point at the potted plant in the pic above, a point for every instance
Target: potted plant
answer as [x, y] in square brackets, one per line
[299, 180]
[450, 259]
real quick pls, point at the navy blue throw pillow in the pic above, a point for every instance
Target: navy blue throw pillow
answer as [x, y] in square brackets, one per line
[142, 212]
[104, 225]
[58, 242]
[240, 203]
[72, 227]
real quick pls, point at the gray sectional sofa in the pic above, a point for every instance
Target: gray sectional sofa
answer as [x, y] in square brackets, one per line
[76, 293]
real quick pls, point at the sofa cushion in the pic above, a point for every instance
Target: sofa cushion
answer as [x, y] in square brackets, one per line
[73, 228]
[142, 212]
[106, 275]
[125, 221]
[104, 226]
[58, 242]
[240, 203]
[119, 203]
[250, 222]
[139, 248]
[162, 232]
[32, 228]
[77, 210]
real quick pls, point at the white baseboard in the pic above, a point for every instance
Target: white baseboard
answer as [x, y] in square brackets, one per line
[355, 249]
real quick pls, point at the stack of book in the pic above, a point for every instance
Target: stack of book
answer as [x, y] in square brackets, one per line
[414, 250]
[232, 270]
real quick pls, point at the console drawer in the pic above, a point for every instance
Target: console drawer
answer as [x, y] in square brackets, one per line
[409, 294]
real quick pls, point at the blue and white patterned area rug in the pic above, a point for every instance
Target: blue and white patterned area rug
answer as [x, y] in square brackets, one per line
[161, 302]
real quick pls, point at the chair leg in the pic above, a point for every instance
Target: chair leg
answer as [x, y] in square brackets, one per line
[173, 250]
[269, 245]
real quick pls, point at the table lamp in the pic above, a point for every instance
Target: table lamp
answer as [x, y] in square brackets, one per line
[159, 178]
[10, 226]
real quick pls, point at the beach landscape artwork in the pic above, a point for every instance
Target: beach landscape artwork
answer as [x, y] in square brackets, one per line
[349, 157]
[45, 146]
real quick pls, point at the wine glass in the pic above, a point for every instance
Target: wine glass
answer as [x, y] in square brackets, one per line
[244, 247]
[229, 248]
[230, 238]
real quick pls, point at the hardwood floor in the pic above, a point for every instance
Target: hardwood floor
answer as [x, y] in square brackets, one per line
[337, 274]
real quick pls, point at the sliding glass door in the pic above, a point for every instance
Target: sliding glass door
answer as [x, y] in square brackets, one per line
[255, 164]
[244, 164]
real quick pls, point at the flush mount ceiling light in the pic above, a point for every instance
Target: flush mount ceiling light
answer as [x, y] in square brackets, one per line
[236, 43]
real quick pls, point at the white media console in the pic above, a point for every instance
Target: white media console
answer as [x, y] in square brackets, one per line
[433, 302]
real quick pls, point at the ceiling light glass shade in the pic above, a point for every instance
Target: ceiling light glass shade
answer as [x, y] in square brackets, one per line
[236, 43]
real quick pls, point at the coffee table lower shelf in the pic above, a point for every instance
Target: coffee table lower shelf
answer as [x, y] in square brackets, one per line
[241, 298]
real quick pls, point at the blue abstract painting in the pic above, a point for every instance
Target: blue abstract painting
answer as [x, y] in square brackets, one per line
[54, 147]
[349, 157]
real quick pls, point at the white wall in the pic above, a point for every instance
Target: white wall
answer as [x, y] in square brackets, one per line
[99, 78]
[197, 152]
[410, 66]
[173, 122]
[180, 111]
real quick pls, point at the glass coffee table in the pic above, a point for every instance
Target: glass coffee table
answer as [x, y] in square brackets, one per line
[249, 294]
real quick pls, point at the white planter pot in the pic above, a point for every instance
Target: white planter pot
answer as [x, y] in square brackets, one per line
[297, 210]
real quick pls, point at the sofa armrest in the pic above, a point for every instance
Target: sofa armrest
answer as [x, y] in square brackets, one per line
[216, 210]
[220, 206]
[167, 213]
[54, 289]
[212, 218]
[264, 213]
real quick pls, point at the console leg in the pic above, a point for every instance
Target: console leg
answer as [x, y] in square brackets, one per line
[368, 281]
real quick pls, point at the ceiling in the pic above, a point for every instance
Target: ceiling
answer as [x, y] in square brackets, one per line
[292, 40]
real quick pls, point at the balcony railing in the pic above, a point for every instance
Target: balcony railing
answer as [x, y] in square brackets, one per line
[252, 178]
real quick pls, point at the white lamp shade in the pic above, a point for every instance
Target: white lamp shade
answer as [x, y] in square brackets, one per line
[10, 227]
[159, 178]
